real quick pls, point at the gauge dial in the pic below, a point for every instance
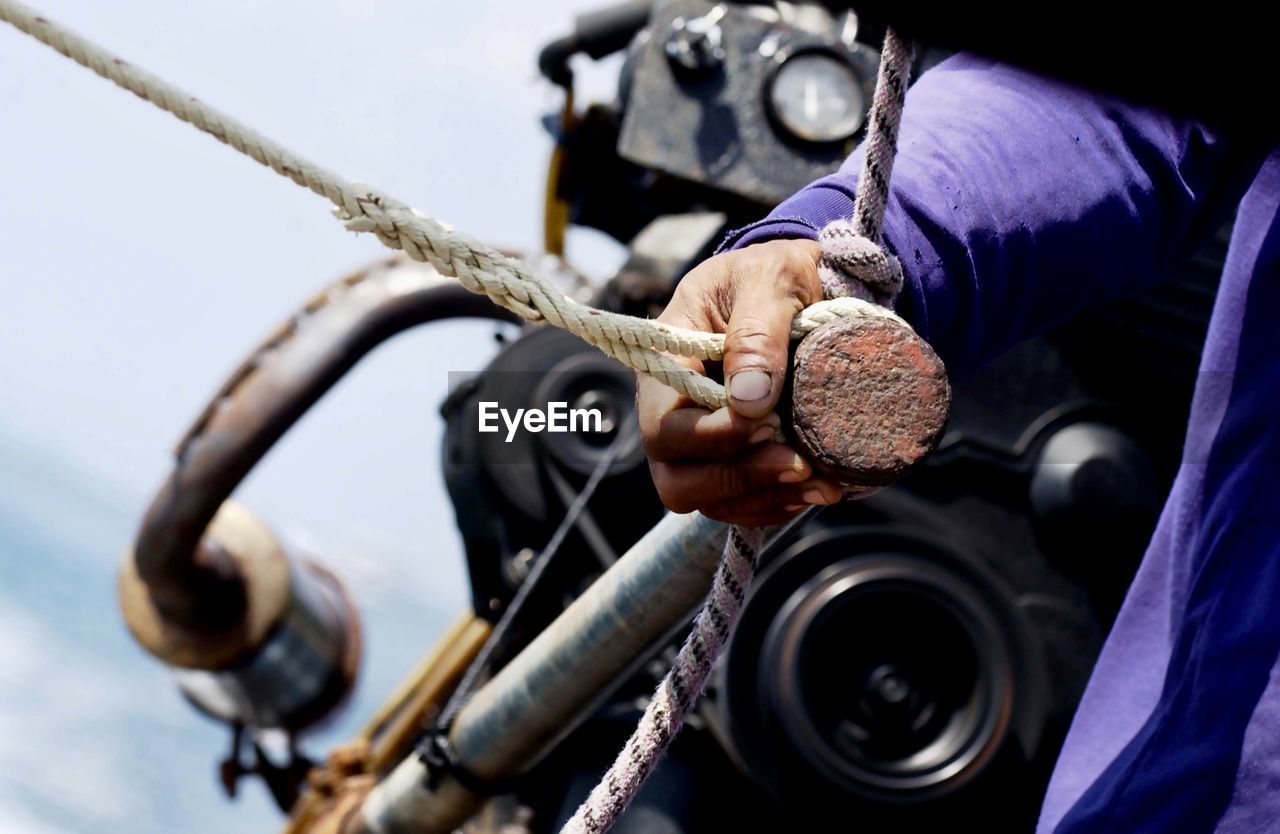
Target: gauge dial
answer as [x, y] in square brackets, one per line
[817, 97]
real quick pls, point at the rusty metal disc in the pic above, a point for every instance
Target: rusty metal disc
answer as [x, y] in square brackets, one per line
[870, 399]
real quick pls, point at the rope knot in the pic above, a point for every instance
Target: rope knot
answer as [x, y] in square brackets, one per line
[854, 265]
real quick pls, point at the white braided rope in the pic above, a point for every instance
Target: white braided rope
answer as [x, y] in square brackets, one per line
[641, 344]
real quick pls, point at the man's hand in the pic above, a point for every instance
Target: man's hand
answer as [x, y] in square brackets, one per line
[721, 462]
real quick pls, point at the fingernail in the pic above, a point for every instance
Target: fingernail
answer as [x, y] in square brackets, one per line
[750, 385]
[815, 496]
[798, 472]
[761, 434]
[794, 508]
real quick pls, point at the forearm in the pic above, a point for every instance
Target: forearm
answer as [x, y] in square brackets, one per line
[1016, 202]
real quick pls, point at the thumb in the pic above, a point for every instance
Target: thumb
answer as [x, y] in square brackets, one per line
[757, 340]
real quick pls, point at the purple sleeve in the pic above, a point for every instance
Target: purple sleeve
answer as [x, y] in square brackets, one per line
[1017, 201]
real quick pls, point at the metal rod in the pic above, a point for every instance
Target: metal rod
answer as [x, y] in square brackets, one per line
[550, 686]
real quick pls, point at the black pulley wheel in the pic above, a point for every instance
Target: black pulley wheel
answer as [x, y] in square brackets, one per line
[883, 670]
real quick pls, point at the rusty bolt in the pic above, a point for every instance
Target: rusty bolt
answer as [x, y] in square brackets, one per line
[870, 399]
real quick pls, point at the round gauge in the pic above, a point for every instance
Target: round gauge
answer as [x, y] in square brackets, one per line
[816, 97]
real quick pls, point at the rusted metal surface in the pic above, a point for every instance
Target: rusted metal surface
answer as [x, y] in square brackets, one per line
[334, 791]
[194, 585]
[397, 737]
[870, 399]
[304, 627]
[344, 798]
[262, 573]
[389, 734]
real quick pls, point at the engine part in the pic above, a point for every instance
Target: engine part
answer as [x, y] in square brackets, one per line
[819, 95]
[699, 107]
[1093, 474]
[694, 44]
[255, 638]
[300, 672]
[596, 34]
[510, 492]
[659, 257]
[882, 668]
[302, 632]
[550, 686]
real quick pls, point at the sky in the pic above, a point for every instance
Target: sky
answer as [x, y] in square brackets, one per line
[141, 260]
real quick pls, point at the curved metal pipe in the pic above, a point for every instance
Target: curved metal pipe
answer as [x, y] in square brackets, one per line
[191, 580]
[597, 34]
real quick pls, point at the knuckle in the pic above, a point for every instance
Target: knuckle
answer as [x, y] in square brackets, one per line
[799, 290]
[750, 334]
[762, 477]
[723, 514]
[705, 295]
[651, 435]
[665, 439]
[651, 443]
[799, 276]
[672, 496]
[746, 333]
[732, 480]
[678, 504]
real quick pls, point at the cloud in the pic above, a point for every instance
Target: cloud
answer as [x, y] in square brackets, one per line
[17, 820]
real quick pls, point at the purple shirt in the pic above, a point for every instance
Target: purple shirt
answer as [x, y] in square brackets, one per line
[1017, 202]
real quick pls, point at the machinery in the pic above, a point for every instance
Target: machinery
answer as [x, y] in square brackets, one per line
[913, 658]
